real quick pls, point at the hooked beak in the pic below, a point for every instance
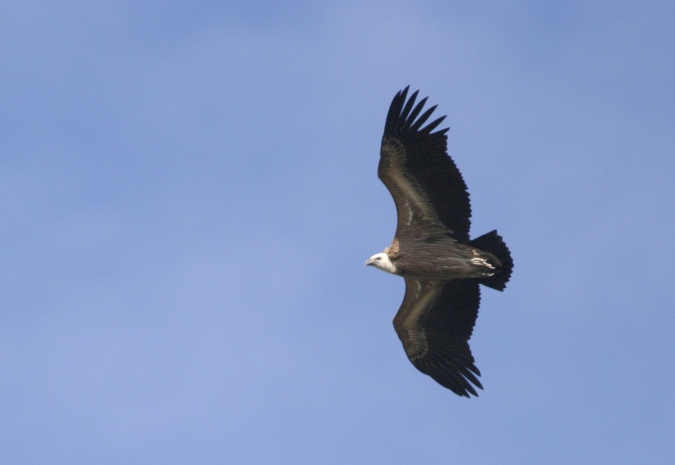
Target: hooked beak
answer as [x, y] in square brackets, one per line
[370, 261]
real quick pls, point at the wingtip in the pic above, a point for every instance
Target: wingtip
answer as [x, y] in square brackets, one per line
[403, 94]
[404, 114]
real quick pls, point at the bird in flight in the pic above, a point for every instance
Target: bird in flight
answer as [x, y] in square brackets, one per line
[442, 268]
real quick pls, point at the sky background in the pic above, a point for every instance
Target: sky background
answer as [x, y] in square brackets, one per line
[188, 193]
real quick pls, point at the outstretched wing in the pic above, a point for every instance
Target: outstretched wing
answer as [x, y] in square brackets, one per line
[426, 185]
[435, 323]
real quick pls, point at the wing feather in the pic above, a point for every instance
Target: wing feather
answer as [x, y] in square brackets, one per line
[423, 119]
[408, 106]
[431, 126]
[416, 111]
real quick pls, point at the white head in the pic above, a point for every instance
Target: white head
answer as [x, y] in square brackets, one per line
[383, 262]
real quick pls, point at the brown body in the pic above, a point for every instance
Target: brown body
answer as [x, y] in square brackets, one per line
[440, 257]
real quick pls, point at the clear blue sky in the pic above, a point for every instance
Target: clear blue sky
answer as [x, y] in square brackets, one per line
[188, 193]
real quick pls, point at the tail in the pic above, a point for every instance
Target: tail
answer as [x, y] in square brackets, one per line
[494, 244]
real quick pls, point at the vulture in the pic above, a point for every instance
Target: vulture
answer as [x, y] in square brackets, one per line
[442, 267]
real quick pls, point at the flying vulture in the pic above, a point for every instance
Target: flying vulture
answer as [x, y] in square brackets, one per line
[442, 267]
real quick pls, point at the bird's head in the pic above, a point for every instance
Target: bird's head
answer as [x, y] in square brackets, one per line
[383, 262]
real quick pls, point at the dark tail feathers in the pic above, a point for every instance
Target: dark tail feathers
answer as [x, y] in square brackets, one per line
[494, 244]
